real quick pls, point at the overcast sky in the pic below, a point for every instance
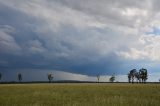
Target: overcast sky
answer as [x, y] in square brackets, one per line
[83, 37]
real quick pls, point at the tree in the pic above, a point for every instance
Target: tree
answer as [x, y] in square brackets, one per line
[50, 77]
[0, 76]
[19, 77]
[132, 74]
[98, 78]
[143, 74]
[112, 78]
[138, 76]
[129, 77]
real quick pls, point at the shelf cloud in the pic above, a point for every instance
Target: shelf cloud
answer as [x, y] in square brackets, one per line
[86, 37]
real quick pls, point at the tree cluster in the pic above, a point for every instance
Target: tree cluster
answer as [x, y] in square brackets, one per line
[139, 76]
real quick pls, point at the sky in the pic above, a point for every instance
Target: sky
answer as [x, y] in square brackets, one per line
[79, 39]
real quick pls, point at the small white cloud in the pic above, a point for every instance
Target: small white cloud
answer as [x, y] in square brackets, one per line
[35, 46]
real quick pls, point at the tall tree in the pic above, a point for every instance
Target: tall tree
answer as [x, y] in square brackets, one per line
[129, 77]
[143, 74]
[138, 76]
[132, 74]
[98, 78]
[50, 77]
[112, 78]
[19, 77]
[0, 76]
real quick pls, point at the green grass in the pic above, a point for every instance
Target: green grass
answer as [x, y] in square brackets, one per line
[79, 95]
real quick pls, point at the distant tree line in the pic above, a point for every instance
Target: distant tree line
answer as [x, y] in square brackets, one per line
[140, 76]
[111, 79]
[20, 78]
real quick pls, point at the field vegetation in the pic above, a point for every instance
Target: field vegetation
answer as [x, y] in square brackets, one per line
[86, 94]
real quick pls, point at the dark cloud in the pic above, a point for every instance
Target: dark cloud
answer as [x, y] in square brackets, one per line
[86, 37]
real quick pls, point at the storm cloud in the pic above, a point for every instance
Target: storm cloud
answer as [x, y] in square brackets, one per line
[87, 37]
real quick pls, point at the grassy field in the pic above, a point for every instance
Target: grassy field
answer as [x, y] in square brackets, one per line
[79, 95]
